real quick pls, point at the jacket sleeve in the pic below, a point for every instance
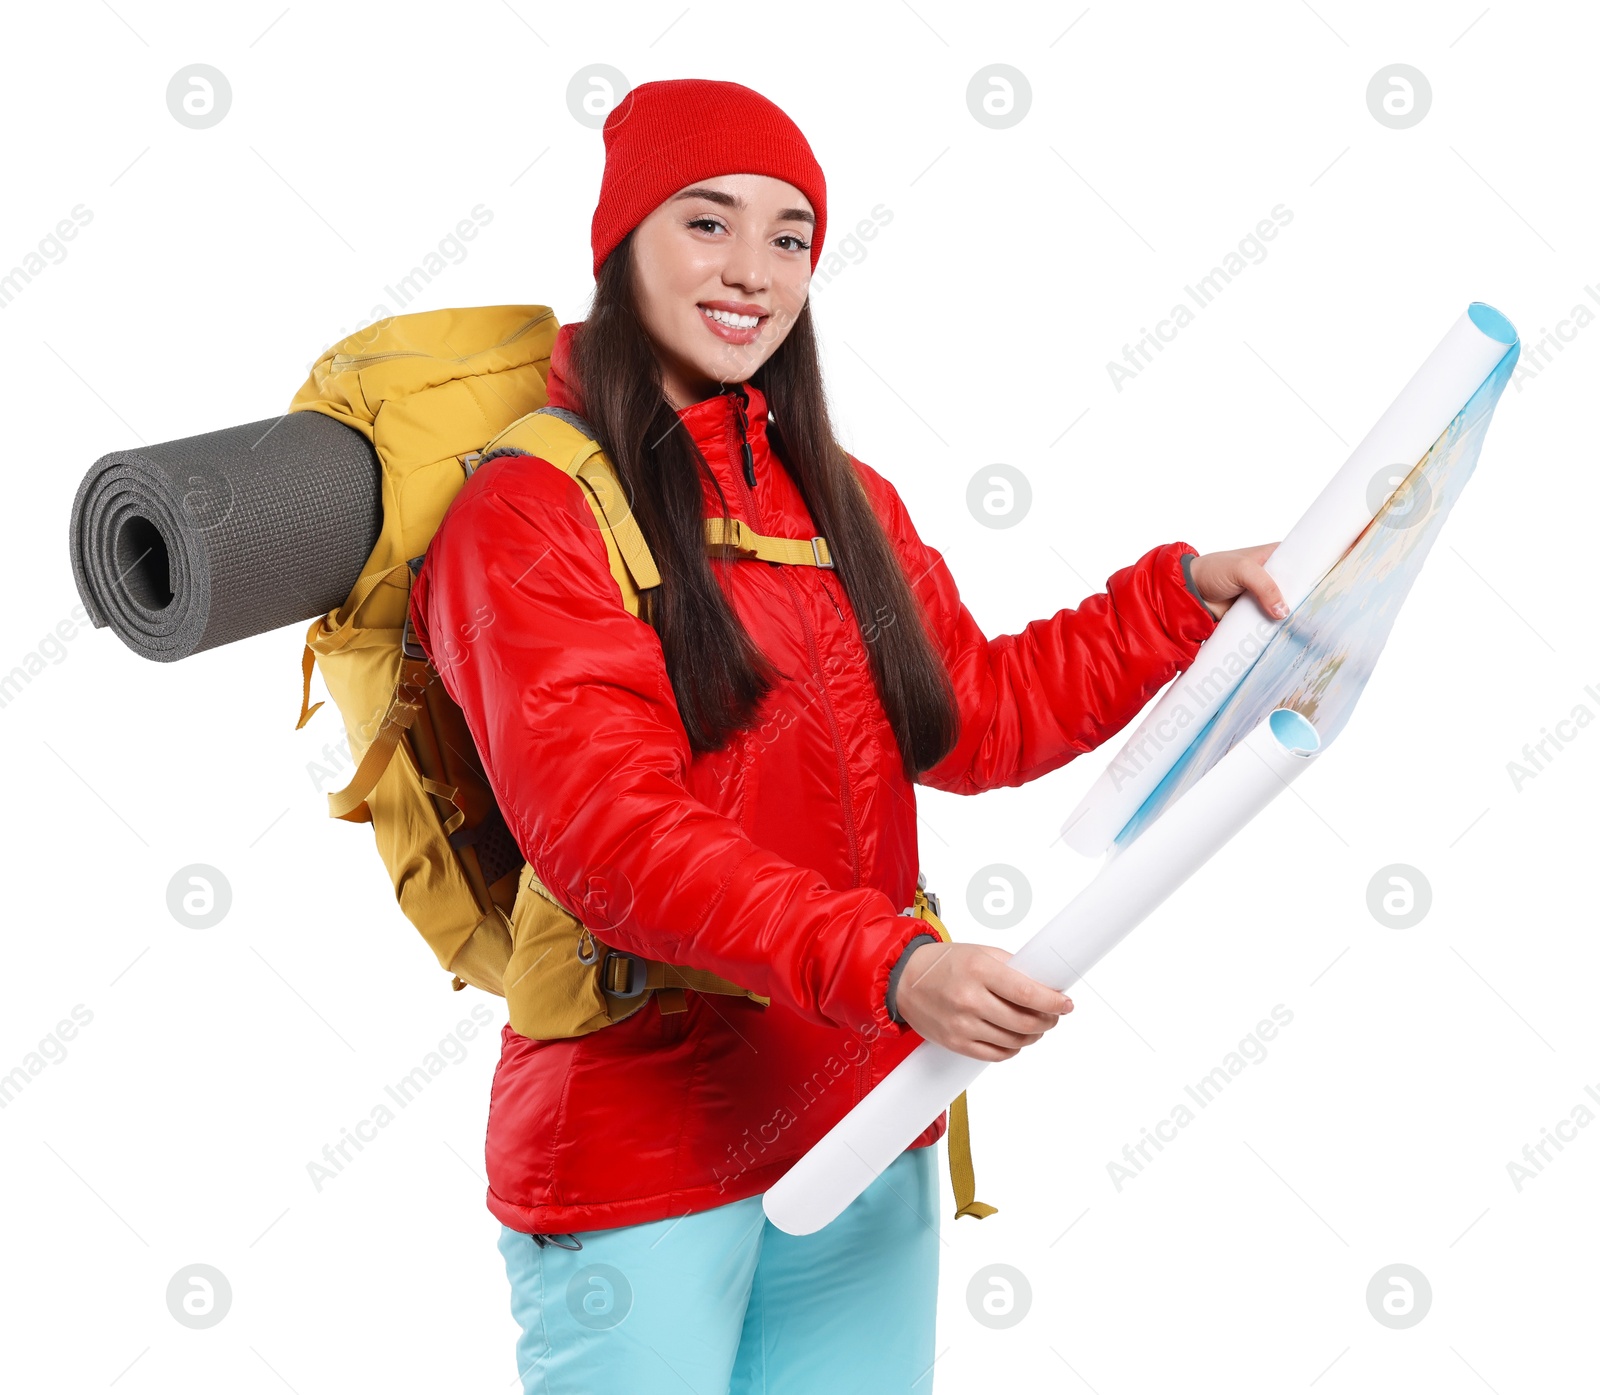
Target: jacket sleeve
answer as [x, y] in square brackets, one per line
[1030, 702]
[571, 709]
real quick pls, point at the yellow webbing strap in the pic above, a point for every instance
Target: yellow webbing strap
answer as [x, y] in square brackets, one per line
[661, 977]
[568, 449]
[350, 802]
[961, 1177]
[597, 474]
[666, 981]
[959, 1134]
[308, 660]
[736, 533]
[564, 446]
[341, 634]
[448, 794]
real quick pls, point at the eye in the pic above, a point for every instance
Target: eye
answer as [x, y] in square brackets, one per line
[712, 223]
[799, 246]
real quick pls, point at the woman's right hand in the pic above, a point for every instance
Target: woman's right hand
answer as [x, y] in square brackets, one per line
[969, 1000]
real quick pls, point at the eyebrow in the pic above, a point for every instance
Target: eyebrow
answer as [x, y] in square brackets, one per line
[785, 215]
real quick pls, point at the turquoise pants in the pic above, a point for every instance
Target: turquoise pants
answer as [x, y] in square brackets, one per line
[722, 1302]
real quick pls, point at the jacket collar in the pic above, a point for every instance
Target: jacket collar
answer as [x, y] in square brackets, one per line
[714, 424]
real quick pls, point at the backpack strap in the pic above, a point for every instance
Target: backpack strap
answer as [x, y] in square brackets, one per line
[926, 905]
[629, 975]
[565, 440]
[334, 631]
[739, 535]
[410, 693]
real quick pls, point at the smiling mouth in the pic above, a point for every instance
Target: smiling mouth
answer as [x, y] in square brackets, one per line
[733, 328]
[730, 320]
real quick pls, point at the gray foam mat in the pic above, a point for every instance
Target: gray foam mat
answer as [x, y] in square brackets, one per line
[188, 544]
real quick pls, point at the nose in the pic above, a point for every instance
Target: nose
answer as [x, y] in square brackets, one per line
[748, 266]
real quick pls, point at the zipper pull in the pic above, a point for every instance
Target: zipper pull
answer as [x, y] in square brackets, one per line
[739, 399]
[832, 597]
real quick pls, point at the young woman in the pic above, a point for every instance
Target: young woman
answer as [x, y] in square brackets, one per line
[727, 783]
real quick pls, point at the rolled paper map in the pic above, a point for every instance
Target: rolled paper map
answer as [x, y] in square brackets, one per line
[844, 1162]
[1426, 406]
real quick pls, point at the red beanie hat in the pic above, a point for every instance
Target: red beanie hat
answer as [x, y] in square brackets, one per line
[662, 136]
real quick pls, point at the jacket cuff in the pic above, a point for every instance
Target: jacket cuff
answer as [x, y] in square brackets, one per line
[899, 968]
[1185, 615]
[1187, 561]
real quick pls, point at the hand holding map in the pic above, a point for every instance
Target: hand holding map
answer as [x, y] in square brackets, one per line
[1259, 702]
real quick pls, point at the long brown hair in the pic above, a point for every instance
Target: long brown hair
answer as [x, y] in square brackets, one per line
[719, 675]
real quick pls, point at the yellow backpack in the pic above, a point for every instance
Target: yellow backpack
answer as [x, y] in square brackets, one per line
[437, 393]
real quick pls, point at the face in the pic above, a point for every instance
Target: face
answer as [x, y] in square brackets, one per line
[738, 244]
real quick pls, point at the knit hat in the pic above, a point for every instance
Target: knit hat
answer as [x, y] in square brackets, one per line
[662, 136]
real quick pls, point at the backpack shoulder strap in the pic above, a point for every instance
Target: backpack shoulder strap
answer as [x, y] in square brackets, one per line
[566, 441]
[925, 904]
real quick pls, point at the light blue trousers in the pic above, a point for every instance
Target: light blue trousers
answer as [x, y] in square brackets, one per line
[722, 1302]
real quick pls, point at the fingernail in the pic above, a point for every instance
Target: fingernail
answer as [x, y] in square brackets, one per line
[1280, 610]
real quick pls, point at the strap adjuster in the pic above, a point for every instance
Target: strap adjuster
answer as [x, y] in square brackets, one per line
[633, 984]
[818, 555]
[410, 645]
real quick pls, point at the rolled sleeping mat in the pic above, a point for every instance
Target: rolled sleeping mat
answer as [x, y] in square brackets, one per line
[188, 544]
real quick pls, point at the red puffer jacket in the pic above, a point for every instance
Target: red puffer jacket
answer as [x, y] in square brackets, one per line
[782, 862]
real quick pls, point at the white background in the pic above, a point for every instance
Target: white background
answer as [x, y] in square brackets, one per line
[976, 329]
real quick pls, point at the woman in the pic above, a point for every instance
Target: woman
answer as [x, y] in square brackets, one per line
[726, 783]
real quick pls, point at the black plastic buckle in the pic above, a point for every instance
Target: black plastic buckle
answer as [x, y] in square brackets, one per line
[636, 974]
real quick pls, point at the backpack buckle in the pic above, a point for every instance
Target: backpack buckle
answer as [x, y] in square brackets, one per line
[818, 555]
[409, 644]
[623, 980]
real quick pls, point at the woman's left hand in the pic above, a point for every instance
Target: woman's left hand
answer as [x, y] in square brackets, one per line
[1221, 577]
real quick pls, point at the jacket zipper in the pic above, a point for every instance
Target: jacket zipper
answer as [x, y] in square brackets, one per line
[744, 438]
[749, 475]
[829, 589]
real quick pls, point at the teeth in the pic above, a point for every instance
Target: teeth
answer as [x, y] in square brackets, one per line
[726, 318]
